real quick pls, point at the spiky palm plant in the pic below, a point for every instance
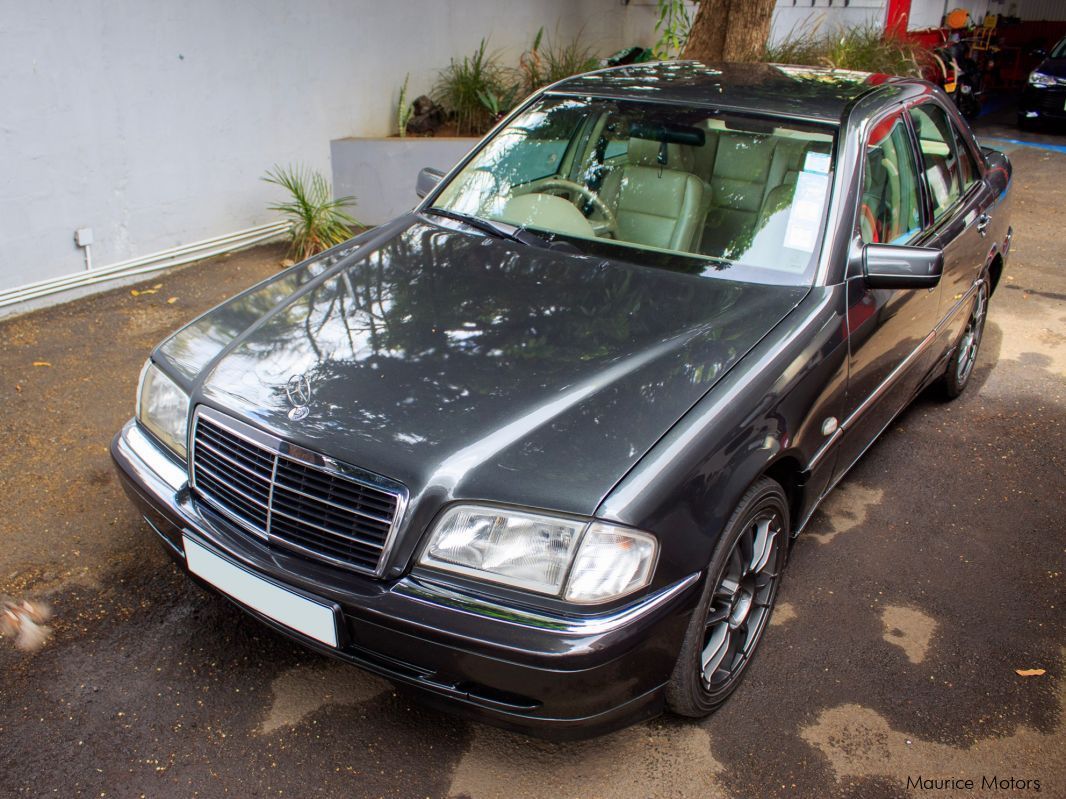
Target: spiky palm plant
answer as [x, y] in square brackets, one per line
[318, 221]
[404, 109]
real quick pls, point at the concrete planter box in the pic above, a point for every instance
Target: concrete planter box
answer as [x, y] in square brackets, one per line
[381, 173]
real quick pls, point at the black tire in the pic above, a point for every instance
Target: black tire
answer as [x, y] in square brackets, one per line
[690, 691]
[961, 364]
[969, 106]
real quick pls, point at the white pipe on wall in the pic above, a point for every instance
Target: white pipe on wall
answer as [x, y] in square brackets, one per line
[175, 256]
[280, 227]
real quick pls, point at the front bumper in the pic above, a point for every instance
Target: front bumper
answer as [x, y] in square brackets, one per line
[550, 675]
[1047, 103]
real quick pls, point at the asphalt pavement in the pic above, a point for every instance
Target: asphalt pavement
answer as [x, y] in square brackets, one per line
[931, 575]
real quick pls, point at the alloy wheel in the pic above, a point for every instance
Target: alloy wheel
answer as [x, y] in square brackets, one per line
[741, 602]
[971, 337]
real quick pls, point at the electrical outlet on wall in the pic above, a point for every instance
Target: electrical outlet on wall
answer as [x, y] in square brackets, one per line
[83, 236]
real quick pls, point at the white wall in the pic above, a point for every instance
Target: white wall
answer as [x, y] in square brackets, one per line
[152, 122]
[794, 17]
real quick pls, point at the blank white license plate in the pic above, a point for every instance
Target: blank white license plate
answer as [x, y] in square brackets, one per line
[313, 619]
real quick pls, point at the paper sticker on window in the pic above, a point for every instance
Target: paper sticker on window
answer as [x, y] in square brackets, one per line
[938, 185]
[816, 162]
[805, 215]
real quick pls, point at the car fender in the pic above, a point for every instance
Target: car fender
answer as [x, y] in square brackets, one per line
[771, 413]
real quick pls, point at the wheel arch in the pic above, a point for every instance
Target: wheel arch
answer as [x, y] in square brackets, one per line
[995, 272]
[790, 473]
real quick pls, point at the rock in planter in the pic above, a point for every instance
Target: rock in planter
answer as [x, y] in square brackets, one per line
[427, 116]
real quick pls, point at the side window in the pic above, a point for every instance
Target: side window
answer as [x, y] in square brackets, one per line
[545, 137]
[940, 164]
[968, 170]
[605, 152]
[615, 149]
[890, 209]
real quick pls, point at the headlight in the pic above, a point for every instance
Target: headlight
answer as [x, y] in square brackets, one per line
[570, 558]
[163, 408]
[1037, 78]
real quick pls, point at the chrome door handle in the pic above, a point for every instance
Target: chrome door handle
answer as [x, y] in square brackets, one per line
[982, 224]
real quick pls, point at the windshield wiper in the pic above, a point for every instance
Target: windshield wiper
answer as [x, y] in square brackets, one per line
[500, 230]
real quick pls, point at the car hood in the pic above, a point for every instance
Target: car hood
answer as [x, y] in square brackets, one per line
[1056, 67]
[468, 366]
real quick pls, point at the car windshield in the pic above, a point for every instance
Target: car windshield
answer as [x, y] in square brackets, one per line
[689, 189]
[1060, 50]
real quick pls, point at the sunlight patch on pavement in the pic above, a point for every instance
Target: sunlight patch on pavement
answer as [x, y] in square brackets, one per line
[859, 742]
[300, 691]
[784, 612]
[909, 629]
[634, 763]
[1034, 337]
[845, 509]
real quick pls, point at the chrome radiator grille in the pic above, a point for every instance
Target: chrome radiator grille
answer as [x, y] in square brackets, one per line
[291, 497]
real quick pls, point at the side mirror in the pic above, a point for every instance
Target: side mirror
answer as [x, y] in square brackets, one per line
[1039, 52]
[891, 266]
[994, 159]
[428, 179]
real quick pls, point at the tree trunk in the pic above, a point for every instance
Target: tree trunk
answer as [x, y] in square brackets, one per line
[749, 29]
[730, 30]
[706, 37]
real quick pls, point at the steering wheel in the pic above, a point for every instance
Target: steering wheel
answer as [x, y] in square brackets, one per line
[609, 224]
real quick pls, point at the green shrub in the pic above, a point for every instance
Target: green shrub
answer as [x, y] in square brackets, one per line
[543, 65]
[862, 48]
[496, 104]
[317, 220]
[673, 26]
[462, 85]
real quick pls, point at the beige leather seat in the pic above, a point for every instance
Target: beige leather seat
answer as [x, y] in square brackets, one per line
[789, 160]
[657, 205]
[738, 183]
[770, 242]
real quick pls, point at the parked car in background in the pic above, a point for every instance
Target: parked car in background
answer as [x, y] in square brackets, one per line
[1044, 95]
[539, 447]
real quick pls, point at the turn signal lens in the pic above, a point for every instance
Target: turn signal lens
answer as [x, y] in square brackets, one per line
[612, 562]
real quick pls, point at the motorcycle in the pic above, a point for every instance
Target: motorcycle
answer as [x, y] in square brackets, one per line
[960, 76]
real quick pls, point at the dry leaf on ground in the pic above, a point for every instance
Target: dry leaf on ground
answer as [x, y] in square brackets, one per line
[24, 621]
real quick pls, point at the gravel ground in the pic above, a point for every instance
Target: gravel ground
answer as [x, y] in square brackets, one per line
[931, 575]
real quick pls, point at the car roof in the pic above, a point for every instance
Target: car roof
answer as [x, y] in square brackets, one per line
[817, 93]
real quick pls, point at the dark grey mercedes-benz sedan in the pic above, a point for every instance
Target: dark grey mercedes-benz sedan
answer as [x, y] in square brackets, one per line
[539, 447]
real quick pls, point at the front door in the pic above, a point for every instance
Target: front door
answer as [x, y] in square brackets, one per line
[959, 201]
[888, 329]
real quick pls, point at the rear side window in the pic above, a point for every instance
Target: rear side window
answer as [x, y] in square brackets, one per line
[940, 163]
[890, 209]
